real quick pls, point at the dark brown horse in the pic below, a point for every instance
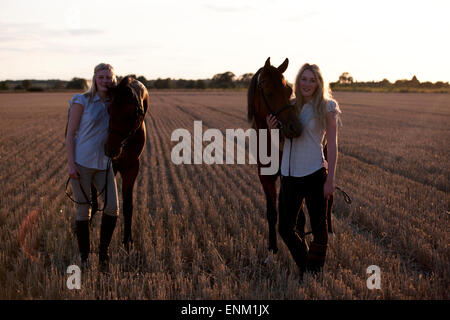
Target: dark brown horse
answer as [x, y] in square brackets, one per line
[269, 93]
[126, 141]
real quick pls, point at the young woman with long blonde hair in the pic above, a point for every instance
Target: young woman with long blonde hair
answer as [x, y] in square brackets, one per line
[87, 131]
[305, 174]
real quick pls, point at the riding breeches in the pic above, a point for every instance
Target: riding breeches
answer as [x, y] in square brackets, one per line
[293, 191]
[82, 191]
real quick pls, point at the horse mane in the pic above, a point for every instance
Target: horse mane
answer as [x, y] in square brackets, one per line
[127, 80]
[251, 96]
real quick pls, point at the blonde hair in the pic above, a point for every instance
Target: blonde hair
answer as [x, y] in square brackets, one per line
[320, 97]
[93, 89]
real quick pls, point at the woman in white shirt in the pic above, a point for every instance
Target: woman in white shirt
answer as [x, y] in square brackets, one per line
[87, 131]
[305, 175]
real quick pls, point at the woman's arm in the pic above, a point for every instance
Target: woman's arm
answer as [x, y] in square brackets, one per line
[72, 127]
[332, 153]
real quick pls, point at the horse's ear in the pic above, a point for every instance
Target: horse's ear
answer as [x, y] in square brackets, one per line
[267, 64]
[282, 67]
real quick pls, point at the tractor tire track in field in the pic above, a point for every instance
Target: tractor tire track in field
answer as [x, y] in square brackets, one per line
[191, 208]
[396, 171]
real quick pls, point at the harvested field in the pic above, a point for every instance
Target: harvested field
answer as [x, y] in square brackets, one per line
[200, 231]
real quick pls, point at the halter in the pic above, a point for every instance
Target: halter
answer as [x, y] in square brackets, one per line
[266, 103]
[138, 124]
[128, 136]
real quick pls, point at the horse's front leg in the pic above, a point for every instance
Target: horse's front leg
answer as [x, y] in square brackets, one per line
[269, 186]
[128, 179]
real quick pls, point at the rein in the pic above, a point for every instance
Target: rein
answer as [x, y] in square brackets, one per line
[127, 136]
[347, 200]
[140, 114]
[89, 202]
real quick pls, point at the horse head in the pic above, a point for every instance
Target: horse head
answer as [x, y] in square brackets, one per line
[269, 93]
[129, 102]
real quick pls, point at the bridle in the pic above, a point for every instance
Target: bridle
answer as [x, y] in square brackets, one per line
[266, 103]
[140, 119]
[127, 136]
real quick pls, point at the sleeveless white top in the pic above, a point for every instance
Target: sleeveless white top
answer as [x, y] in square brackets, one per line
[304, 155]
[92, 132]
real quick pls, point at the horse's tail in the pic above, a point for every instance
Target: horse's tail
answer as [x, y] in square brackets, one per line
[251, 97]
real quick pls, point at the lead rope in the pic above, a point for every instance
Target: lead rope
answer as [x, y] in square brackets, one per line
[108, 166]
[347, 200]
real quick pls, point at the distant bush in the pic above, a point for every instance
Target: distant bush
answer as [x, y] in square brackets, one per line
[58, 85]
[4, 85]
[413, 85]
[224, 80]
[162, 83]
[36, 89]
[200, 84]
[77, 83]
[26, 84]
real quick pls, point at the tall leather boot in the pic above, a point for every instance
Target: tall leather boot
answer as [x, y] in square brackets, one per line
[82, 231]
[301, 257]
[106, 233]
[316, 257]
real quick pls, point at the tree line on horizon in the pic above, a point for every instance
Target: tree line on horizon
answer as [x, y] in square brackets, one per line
[226, 80]
[347, 83]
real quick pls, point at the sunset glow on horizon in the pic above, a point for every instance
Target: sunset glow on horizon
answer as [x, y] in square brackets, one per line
[197, 39]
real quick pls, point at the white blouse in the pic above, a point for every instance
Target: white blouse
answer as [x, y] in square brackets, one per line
[304, 155]
[92, 132]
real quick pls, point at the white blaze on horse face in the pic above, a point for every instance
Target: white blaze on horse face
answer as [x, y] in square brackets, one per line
[274, 158]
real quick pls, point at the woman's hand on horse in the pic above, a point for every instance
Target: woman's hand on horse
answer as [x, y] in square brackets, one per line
[272, 121]
[73, 172]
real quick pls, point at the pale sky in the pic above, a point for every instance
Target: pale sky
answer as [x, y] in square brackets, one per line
[196, 39]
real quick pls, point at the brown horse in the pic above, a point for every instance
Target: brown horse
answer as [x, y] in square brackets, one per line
[269, 93]
[126, 141]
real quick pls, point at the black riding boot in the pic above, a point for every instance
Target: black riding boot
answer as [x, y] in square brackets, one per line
[316, 257]
[82, 231]
[106, 233]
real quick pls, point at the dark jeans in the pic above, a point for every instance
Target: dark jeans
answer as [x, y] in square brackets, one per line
[291, 226]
